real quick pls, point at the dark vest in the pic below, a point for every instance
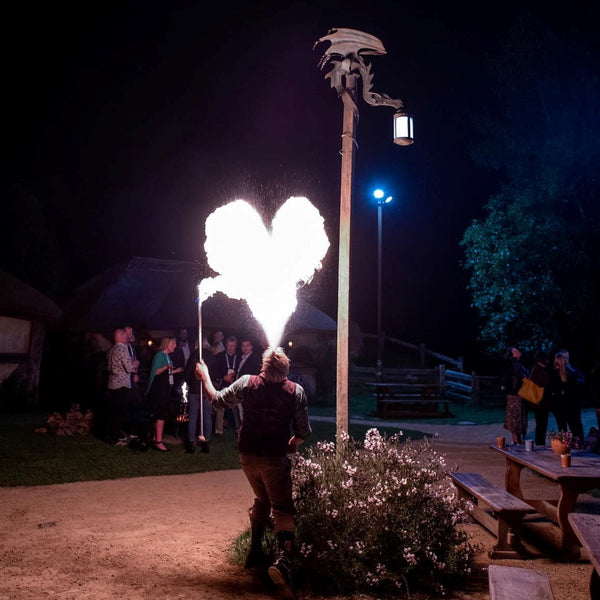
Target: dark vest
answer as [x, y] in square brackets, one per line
[268, 414]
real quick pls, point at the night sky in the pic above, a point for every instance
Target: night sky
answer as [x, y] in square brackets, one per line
[132, 121]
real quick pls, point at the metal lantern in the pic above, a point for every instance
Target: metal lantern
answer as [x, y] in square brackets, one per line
[403, 129]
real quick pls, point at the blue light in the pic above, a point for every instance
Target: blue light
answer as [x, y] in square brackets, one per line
[379, 194]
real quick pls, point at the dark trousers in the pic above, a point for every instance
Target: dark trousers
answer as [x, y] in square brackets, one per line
[570, 420]
[137, 413]
[271, 481]
[541, 425]
[115, 411]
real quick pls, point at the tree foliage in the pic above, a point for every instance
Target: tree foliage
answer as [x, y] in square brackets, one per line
[534, 257]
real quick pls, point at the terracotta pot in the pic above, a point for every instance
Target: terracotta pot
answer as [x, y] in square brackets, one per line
[559, 447]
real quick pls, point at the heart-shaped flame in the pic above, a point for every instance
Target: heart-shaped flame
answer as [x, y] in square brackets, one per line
[263, 268]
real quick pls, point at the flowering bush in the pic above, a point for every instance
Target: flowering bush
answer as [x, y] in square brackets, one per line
[566, 437]
[379, 516]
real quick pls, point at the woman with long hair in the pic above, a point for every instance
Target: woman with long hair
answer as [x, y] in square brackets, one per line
[563, 398]
[159, 388]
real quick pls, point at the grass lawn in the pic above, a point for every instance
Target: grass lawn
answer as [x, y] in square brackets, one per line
[28, 458]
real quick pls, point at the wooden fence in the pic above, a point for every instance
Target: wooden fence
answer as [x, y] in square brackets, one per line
[460, 387]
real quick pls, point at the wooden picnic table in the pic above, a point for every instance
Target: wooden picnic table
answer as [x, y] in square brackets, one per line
[581, 476]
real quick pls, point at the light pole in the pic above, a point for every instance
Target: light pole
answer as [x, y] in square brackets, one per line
[381, 202]
[345, 54]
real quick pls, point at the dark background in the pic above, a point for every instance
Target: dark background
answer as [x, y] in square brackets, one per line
[131, 121]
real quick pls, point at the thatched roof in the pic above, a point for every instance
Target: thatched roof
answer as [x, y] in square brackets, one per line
[20, 300]
[154, 294]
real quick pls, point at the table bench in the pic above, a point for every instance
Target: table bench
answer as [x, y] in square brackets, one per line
[515, 583]
[587, 530]
[497, 510]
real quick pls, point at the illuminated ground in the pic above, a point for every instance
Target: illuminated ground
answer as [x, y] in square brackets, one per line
[167, 537]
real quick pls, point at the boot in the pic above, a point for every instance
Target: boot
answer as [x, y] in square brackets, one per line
[280, 572]
[256, 558]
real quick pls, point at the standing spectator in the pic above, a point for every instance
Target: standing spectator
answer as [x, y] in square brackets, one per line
[225, 367]
[250, 361]
[194, 394]
[563, 397]
[159, 389]
[250, 364]
[216, 341]
[274, 409]
[120, 366]
[515, 417]
[180, 357]
[136, 413]
[539, 375]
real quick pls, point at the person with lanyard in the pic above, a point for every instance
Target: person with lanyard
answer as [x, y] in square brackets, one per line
[159, 389]
[250, 364]
[225, 369]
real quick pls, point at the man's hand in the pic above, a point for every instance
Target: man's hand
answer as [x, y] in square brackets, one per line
[201, 370]
[201, 373]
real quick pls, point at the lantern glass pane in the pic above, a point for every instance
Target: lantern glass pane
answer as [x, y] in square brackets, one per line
[403, 129]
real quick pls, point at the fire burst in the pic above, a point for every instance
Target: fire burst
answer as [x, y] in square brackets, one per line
[263, 268]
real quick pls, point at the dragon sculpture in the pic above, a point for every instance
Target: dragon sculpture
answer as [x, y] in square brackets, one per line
[345, 53]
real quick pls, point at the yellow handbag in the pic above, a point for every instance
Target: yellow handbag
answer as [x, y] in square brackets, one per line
[531, 391]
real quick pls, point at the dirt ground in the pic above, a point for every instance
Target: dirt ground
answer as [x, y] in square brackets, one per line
[167, 538]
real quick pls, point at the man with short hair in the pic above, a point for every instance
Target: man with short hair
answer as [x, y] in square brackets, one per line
[120, 367]
[136, 419]
[274, 408]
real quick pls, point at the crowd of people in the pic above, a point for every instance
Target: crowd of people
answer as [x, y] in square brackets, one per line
[563, 395]
[140, 410]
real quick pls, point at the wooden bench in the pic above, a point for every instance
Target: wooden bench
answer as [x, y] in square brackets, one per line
[587, 530]
[412, 393]
[497, 510]
[412, 406]
[514, 583]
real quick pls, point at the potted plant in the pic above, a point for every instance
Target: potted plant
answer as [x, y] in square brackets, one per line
[562, 442]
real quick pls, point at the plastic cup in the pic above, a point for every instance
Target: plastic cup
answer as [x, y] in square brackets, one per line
[565, 460]
[528, 445]
[500, 441]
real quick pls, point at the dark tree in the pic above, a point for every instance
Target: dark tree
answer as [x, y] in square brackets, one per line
[534, 257]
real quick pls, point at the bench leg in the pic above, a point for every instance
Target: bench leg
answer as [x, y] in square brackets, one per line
[594, 585]
[509, 538]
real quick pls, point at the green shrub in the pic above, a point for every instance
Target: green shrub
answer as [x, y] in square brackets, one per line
[378, 516]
